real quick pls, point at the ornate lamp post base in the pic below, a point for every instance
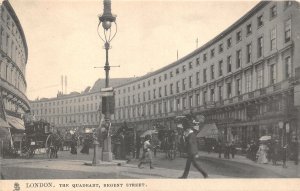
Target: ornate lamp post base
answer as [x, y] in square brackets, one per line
[107, 156]
[95, 157]
[106, 153]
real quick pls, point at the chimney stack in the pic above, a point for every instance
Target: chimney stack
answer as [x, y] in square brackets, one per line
[66, 92]
[62, 84]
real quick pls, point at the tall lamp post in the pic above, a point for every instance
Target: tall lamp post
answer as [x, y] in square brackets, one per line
[107, 19]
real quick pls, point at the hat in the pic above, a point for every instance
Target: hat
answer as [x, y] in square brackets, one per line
[148, 137]
[185, 123]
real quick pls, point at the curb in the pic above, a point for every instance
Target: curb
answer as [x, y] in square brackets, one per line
[104, 163]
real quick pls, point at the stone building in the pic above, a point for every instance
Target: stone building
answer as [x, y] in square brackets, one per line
[13, 60]
[244, 80]
[74, 110]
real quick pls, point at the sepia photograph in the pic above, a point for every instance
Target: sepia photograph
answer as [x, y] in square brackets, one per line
[140, 94]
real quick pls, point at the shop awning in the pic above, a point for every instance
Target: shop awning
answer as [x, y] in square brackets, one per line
[209, 131]
[16, 122]
[148, 132]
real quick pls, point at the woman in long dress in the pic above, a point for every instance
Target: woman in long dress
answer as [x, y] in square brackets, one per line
[74, 145]
[86, 146]
[262, 154]
[147, 153]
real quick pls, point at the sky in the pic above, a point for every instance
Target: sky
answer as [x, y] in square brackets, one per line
[62, 37]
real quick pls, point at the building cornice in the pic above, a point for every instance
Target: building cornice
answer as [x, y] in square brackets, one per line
[63, 97]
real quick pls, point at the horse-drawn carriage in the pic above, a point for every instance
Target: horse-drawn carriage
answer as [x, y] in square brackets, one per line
[39, 138]
[67, 140]
[169, 142]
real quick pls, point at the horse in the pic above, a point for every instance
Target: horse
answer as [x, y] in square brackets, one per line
[54, 143]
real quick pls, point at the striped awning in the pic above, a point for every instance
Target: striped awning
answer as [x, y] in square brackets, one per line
[16, 122]
[209, 131]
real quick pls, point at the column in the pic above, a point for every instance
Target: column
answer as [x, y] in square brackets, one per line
[243, 83]
[254, 78]
[233, 87]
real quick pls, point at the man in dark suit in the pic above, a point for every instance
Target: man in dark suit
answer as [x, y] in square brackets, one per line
[191, 148]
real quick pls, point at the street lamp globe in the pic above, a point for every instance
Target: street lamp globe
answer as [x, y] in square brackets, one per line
[106, 25]
[106, 19]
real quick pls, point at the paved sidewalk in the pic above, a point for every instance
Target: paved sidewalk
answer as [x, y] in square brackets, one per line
[127, 170]
[292, 170]
[131, 170]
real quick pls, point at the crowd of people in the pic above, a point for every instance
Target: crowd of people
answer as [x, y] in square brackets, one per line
[272, 151]
[262, 152]
[228, 149]
[191, 148]
[76, 140]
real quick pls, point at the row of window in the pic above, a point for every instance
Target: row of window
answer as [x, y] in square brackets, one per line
[249, 55]
[245, 113]
[69, 101]
[273, 78]
[72, 119]
[12, 76]
[188, 102]
[67, 110]
[14, 51]
[10, 24]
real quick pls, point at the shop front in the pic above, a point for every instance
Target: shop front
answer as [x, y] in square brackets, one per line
[242, 133]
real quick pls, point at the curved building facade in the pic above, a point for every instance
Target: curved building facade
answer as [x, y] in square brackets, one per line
[244, 80]
[14, 53]
[75, 110]
[69, 111]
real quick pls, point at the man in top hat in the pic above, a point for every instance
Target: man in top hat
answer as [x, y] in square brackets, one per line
[191, 148]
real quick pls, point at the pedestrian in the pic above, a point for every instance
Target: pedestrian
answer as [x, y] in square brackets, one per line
[295, 150]
[275, 152]
[147, 153]
[227, 151]
[86, 146]
[253, 151]
[248, 155]
[123, 146]
[192, 151]
[284, 154]
[220, 148]
[138, 146]
[262, 154]
[232, 150]
[74, 145]
[270, 153]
